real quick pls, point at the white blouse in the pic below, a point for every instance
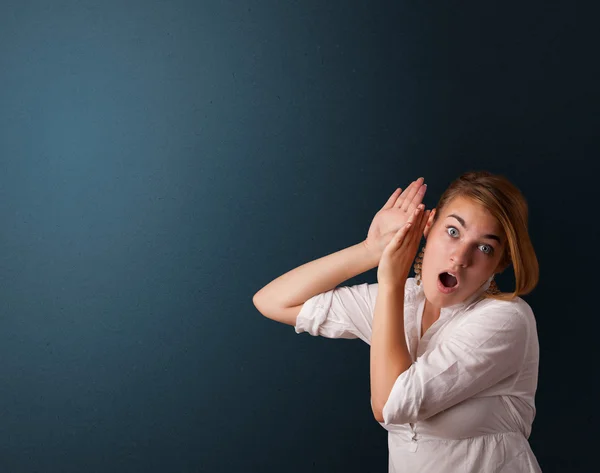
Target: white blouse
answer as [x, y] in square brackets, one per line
[466, 404]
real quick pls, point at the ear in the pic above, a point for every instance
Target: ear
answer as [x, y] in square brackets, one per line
[429, 223]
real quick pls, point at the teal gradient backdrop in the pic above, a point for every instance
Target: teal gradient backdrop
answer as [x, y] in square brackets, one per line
[161, 161]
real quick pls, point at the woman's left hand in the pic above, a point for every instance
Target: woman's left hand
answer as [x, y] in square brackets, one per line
[400, 252]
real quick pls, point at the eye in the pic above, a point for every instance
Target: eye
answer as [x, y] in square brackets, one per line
[452, 234]
[487, 249]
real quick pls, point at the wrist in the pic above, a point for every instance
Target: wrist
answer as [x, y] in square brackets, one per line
[373, 255]
[395, 286]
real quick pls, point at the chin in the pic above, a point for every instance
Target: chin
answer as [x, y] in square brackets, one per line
[435, 297]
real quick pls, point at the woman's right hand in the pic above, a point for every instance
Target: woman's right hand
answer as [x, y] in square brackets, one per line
[394, 214]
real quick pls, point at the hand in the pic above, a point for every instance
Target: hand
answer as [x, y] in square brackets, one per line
[393, 215]
[399, 254]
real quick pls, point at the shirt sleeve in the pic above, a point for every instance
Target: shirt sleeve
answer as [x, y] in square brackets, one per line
[343, 312]
[486, 348]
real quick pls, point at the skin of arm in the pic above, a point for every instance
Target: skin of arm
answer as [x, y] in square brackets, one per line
[389, 353]
[300, 284]
[321, 275]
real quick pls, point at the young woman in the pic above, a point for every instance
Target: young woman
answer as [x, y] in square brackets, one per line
[454, 361]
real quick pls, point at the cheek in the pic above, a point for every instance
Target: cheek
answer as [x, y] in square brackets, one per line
[481, 270]
[432, 255]
[486, 263]
[435, 248]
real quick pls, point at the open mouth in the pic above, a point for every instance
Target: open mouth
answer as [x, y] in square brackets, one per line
[448, 280]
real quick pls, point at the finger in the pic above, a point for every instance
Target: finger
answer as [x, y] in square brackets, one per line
[424, 220]
[409, 235]
[431, 216]
[400, 236]
[402, 197]
[418, 220]
[417, 198]
[415, 215]
[393, 198]
[407, 204]
[420, 224]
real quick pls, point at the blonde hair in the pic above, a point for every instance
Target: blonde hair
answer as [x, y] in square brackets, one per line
[508, 205]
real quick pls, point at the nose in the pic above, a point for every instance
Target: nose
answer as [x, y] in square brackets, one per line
[461, 256]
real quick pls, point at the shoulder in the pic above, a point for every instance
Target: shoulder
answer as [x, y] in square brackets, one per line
[515, 313]
[516, 305]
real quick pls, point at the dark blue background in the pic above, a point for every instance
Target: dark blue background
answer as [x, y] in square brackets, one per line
[161, 161]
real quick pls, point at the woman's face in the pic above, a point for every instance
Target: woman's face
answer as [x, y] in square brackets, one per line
[466, 241]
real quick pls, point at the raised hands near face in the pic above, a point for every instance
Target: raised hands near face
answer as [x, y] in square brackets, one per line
[394, 214]
[400, 252]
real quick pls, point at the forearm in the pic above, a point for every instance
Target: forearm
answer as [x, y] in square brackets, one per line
[321, 275]
[389, 353]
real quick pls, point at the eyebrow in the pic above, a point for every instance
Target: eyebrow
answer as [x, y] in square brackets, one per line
[490, 236]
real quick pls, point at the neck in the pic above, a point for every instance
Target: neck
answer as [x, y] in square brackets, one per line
[431, 310]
